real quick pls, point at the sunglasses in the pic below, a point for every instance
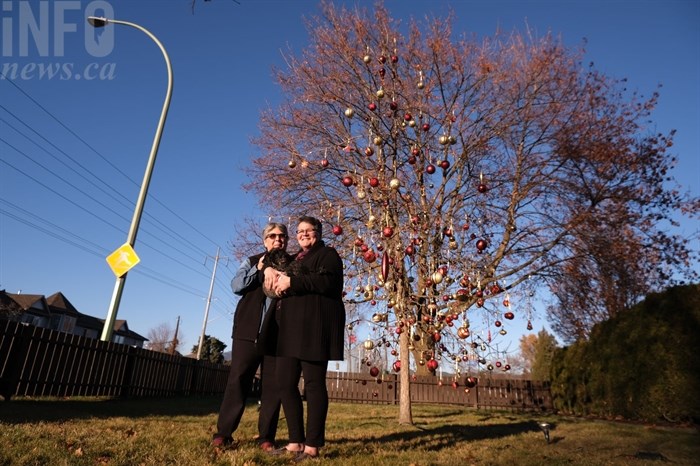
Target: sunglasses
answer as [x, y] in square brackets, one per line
[276, 236]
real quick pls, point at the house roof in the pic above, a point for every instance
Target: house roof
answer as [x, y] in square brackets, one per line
[36, 302]
[59, 303]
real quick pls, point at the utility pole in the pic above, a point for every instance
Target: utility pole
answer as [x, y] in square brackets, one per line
[206, 309]
[173, 344]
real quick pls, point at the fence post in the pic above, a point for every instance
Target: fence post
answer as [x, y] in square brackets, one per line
[18, 343]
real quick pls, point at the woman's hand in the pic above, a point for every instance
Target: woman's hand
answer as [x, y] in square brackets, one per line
[271, 276]
[282, 284]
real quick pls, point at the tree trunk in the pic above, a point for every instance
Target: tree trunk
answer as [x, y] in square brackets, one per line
[405, 413]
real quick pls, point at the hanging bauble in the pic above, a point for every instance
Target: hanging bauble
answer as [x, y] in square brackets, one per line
[452, 244]
[481, 245]
[509, 315]
[463, 332]
[452, 140]
[366, 59]
[349, 112]
[436, 336]
[372, 106]
[337, 230]
[388, 232]
[393, 105]
[470, 382]
[369, 152]
[506, 367]
[490, 367]
[529, 325]
[432, 365]
[374, 371]
[385, 266]
[396, 366]
[436, 277]
[482, 188]
[291, 164]
[382, 59]
[430, 169]
[409, 250]
[370, 256]
[394, 59]
[444, 164]
[368, 344]
[503, 331]
[498, 323]
[324, 163]
[462, 295]
[412, 123]
[378, 141]
[411, 160]
[380, 93]
[480, 302]
[348, 181]
[382, 72]
[394, 183]
[426, 126]
[374, 182]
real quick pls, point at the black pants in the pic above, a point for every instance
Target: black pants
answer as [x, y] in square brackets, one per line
[288, 372]
[245, 360]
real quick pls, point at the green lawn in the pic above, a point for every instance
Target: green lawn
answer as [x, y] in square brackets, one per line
[178, 431]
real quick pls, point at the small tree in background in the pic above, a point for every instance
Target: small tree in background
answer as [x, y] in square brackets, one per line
[457, 177]
[212, 350]
[162, 338]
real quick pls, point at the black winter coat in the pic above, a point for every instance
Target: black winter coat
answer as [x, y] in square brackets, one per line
[311, 320]
[246, 320]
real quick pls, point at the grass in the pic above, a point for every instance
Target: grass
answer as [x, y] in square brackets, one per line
[178, 432]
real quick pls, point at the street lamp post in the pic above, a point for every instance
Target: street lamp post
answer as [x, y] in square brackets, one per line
[133, 230]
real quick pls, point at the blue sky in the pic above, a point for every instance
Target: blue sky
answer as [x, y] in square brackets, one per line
[74, 145]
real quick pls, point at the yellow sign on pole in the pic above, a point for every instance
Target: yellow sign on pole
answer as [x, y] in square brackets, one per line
[123, 259]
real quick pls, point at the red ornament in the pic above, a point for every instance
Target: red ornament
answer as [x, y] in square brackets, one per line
[407, 116]
[393, 105]
[430, 169]
[412, 160]
[409, 250]
[529, 325]
[509, 315]
[482, 188]
[385, 266]
[470, 382]
[432, 365]
[481, 245]
[497, 323]
[324, 163]
[436, 337]
[348, 181]
[374, 372]
[372, 106]
[394, 59]
[415, 151]
[382, 59]
[374, 182]
[396, 366]
[388, 232]
[426, 126]
[337, 230]
[370, 256]
[463, 332]
[445, 164]
[369, 151]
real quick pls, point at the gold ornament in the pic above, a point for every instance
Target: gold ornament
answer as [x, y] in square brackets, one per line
[349, 112]
[394, 183]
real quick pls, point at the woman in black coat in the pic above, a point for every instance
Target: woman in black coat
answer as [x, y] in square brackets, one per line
[311, 321]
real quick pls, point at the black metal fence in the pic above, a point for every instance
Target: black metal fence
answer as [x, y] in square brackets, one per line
[40, 362]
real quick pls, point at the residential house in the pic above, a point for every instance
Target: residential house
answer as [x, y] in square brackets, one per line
[57, 313]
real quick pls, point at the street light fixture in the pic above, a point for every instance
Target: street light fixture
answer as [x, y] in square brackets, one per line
[98, 22]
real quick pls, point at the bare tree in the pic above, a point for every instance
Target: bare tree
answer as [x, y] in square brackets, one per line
[163, 339]
[459, 175]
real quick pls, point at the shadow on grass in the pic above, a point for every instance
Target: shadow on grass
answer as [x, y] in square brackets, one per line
[449, 436]
[28, 410]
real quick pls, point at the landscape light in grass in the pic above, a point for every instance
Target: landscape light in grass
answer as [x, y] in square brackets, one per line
[545, 429]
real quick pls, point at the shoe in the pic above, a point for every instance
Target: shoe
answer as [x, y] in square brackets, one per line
[303, 456]
[267, 446]
[221, 442]
[282, 451]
